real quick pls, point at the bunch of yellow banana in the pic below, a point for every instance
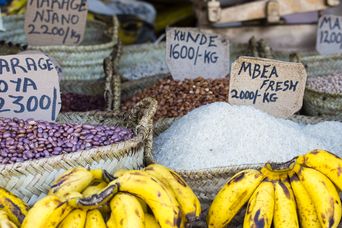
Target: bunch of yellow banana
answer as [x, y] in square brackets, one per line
[134, 193]
[299, 193]
[54, 210]
[12, 209]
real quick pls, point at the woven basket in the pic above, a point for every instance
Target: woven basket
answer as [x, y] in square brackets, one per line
[30, 180]
[322, 104]
[207, 182]
[82, 65]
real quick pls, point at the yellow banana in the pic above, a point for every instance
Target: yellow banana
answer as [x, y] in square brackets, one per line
[306, 209]
[95, 219]
[58, 215]
[324, 196]
[73, 180]
[75, 219]
[39, 215]
[190, 205]
[126, 212]
[285, 214]
[120, 172]
[101, 174]
[5, 222]
[139, 183]
[15, 208]
[92, 189]
[150, 221]
[260, 207]
[232, 197]
[325, 162]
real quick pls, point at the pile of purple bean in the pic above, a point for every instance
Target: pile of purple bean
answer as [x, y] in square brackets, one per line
[22, 140]
[72, 102]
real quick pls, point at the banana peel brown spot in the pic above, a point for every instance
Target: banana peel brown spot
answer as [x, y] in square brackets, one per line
[331, 221]
[285, 189]
[99, 198]
[323, 218]
[121, 221]
[238, 178]
[339, 171]
[149, 168]
[137, 212]
[158, 194]
[333, 154]
[177, 220]
[178, 179]
[16, 211]
[294, 178]
[259, 223]
[314, 152]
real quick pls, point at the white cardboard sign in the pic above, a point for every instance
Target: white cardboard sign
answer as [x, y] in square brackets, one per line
[272, 86]
[191, 53]
[52, 22]
[329, 35]
[29, 87]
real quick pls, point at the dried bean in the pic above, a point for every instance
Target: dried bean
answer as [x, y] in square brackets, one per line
[75, 102]
[26, 140]
[331, 84]
[177, 98]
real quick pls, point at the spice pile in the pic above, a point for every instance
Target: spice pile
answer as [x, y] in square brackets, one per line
[177, 98]
[326, 84]
[219, 135]
[27, 140]
[72, 102]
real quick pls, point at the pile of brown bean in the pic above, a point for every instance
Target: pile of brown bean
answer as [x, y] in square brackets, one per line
[27, 140]
[72, 102]
[326, 84]
[177, 98]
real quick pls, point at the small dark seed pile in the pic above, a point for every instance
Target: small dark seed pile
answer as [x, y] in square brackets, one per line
[72, 102]
[177, 98]
[27, 140]
[331, 84]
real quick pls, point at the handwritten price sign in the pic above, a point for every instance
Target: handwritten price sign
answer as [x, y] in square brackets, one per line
[329, 35]
[272, 86]
[51, 22]
[29, 87]
[190, 53]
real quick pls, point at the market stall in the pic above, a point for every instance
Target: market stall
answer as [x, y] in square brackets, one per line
[170, 113]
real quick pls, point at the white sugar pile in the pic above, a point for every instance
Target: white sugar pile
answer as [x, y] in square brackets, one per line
[219, 134]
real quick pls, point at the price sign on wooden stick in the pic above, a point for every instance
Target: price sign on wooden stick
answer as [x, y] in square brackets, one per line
[272, 86]
[29, 87]
[51, 22]
[191, 53]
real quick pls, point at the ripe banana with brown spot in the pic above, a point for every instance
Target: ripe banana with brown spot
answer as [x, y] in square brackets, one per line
[285, 212]
[101, 174]
[126, 212]
[325, 162]
[93, 189]
[15, 208]
[39, 215]
[95, 219]
[324, 196]
[139, 183]
[259, 212]
[150, 221]
[190, 205]
[5, 222]
[232, 196]
[75, 219]
[73, 180]
[58, 215]
[307, 214]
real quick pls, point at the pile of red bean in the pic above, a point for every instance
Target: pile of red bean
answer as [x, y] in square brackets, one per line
[72, 102]
[177, 98]
[22, 140]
